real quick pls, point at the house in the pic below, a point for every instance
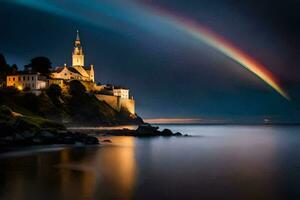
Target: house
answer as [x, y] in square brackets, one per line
[33, 82]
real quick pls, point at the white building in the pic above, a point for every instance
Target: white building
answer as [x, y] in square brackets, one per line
[26, 81]
[121, 92]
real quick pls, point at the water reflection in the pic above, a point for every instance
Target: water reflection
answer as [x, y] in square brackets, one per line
[117, 168]
[226, 163]
[81, 173]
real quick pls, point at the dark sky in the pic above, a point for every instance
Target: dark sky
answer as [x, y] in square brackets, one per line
[170, 74]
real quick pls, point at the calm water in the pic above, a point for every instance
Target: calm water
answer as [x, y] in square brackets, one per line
[224, 162]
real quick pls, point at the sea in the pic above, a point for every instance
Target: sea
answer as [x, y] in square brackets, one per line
[214, 162]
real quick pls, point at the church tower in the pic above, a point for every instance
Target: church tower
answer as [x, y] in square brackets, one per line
[78, 56]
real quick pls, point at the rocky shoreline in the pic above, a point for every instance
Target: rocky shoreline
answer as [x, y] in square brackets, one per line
[145, 130]
[86, 137]
[47, 137]
[20, 130]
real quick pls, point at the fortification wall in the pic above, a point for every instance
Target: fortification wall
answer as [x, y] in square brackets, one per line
[118, 103]
[128, 104]
[110, 100]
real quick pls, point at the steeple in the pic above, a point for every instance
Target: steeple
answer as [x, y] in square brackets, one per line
[78, 56]
[77, 42]
[77, 36]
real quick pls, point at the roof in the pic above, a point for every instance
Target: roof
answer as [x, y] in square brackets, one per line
[120, 88]
[58, 69]
[71, 69]
[77, 35]
[23, 73]
[87, 68]
[110, 86]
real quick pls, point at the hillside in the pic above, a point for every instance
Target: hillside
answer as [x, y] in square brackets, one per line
[74, 106]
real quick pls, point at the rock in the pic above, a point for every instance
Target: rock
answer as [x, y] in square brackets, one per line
[47, 134]
[5, 110]
[177, 134]
[62, 131]
[167, 132]
[19, 137]
[37, 140]
[88, 140]
[147, 130]
[6, 129]
[67, 140]
[28, 134]
[8, 138]
[107, 141]
[23, 125]
[79, 144]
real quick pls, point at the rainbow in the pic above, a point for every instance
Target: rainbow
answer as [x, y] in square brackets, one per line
[150, 15]
[218, 42]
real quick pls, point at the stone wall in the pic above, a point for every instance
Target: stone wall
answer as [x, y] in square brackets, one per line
[128, 104]
[118, 103]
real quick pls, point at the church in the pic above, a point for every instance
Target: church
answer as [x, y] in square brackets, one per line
[78, 71]
[115, 96]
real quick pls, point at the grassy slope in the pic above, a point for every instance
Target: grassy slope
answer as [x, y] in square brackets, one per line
[12, 120]
[76, 109]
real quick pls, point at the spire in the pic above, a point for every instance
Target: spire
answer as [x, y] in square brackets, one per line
[77, 56]
[77, 41]
[77, 36]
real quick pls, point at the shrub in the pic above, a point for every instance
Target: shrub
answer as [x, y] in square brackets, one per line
[54, 91]
[76, 88]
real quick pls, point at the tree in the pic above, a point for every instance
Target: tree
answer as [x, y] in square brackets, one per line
[14, 69]
[4, 67]
[5, 70]
[76, 88]
[2, 61]
[39, 64]
[54, 91]
[27, 68]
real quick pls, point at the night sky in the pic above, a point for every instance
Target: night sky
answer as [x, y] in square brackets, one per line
[169, 72]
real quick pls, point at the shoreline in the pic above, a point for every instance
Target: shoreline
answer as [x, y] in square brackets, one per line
[76, 136]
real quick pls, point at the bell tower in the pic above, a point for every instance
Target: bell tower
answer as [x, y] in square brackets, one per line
[77, 56]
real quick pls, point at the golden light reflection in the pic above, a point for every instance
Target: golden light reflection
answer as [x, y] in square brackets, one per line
[113, 168]
[75, 177]
[118, 165]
